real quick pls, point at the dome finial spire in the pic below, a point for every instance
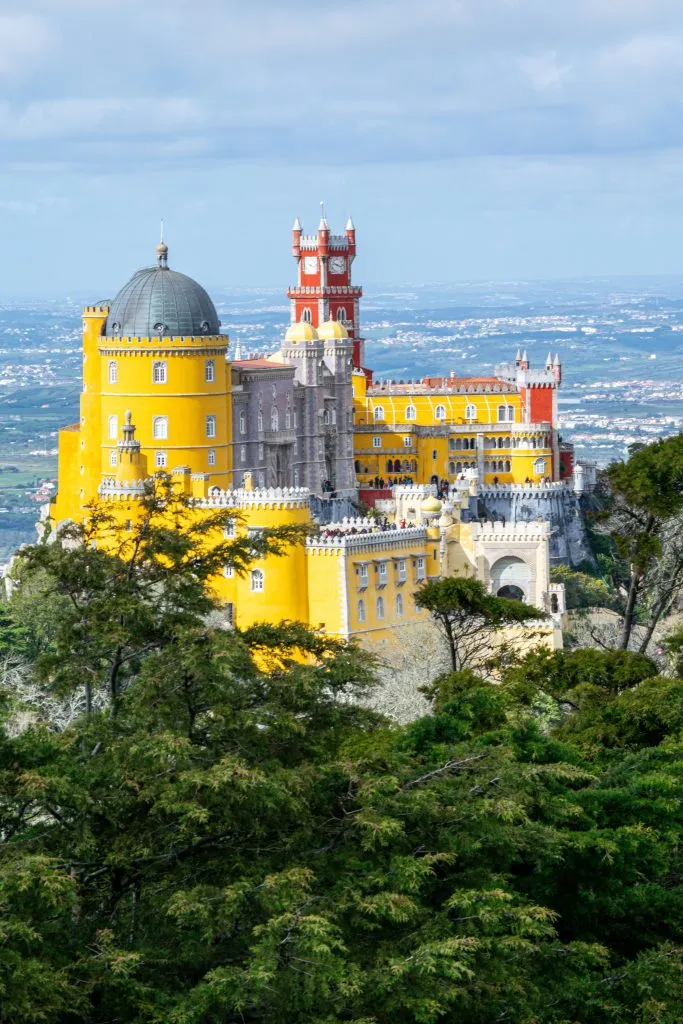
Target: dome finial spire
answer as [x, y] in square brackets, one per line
[162, 251]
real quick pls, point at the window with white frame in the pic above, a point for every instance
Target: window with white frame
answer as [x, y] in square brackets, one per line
[230, 529]
[377, 442]
[306, 317]
[209, 371]
[274, 419]
[362, 575]
[411, 412]
[471, 412]
[113, 427]
[382, 574]
[407, 442]
[511, 414]
[210, 426]
[420, 568]
[502, 413]
[256, 580]
[402, 570]
[113, 371]
[539, 466]
[160, 460]
[380, 607]
[113, 458]
[243, 422]
[159, 372]
[361, 610]
[211, 457]
[378, 413]
[228, 571]
[160, 428]
[440, 412]
[296, 477]
[399, 604]
[341, 314]
[288, 419]
[294, 421]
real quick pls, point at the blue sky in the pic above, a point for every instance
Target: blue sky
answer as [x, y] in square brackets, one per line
[470, 139]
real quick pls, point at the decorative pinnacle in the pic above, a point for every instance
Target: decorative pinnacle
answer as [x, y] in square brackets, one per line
[128, 442]
[162, 251]
[296, 226]
[549, 360]
[323, 222]
[557, 359]
[350, 226]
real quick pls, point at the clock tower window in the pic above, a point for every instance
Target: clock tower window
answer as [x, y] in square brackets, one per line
[341, 314]
[306, 316]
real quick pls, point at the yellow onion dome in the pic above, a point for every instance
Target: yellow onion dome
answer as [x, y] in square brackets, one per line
[301, 333]
[332, 330]
[430, 506]
[445, 520]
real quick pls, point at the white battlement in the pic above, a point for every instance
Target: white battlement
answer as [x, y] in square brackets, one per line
[260, 497]
[510, 533]
[132, 490]
[370, 540]
[540, 490]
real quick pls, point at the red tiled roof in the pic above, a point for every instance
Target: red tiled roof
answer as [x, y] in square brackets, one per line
[260, 364]
[72, 426]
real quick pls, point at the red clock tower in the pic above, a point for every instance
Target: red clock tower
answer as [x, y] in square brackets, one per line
[324, 290]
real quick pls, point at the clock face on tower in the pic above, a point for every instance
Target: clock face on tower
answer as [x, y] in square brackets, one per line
[310, 264]
[337, 265]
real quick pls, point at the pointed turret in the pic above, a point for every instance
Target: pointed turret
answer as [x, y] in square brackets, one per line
[518, 358]
[524, 365]
[549, 361]
[296, 238]
[351, 236]
[557, 369]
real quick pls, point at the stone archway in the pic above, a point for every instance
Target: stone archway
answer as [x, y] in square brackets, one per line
[511, 577]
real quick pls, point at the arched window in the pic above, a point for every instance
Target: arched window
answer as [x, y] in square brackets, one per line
[539, 467]
[160, 428]
[296, 477]
[274, 419]
[209, 371]
[411, 412]
[502, 413]
[471, 412]
[451, 468]
[160, 460]
[243, 422]
[113, 427]
[356, 466]
[507, 466]
[399, 604]
[500, 442]
[326, 418]
[113, 371]
[554, 604]
[211, 457]
[256, 580]
[341, 314]
[458, 467]
[113, 458]
[288, 419]
[511, 414]
[380, 607]
[306, 317]
[413, 465]
[361, 610]
[458, 444]
[440, 412]
[210, 426]
[159, 371]
[378, 413]
[390, 466]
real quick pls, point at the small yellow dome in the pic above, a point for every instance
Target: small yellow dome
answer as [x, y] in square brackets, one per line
[445, 520]
[332, 330]
[430, 505]
[301, 333]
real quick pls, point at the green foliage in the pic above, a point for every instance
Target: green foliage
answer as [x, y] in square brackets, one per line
[583, 591]
[236, 838]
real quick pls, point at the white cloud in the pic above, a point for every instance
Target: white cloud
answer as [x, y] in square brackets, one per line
[24, 39]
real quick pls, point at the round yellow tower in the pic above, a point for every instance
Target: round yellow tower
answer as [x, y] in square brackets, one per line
[161, 355]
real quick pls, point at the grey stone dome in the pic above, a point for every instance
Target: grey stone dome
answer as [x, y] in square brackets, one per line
[158, 302]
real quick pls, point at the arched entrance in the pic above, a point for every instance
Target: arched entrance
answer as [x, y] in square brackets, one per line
[511, 577]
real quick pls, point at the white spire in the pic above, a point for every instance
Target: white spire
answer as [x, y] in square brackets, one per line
[525, 358]
[296, 226]
[238, 351]
[549, 360]
[557, 359]
[323, 222]
[350, 226]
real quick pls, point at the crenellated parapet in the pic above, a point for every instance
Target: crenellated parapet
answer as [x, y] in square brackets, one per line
[209, 344]
[258, 498]
[536, 492]
[376, 541]
[112, 489]
[511, 533]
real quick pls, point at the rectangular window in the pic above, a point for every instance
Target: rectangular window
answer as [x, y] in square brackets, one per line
[209, 371]
[113, 459]
[228, 572]
[243, 453]
[230, 529]
[420, 568]
[113, 427]
[260, 451]
[362, 576]
[294, 414]
[511, 414]
[402, 571]
[288, 419]
[160, 460]
[407, 442]
[113, 372]
[230, 613]
[210, 426]
[211, 456]
[159, 372]
[382, 574]
[377, 442]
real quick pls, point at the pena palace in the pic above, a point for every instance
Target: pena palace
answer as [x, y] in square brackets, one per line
[308, 434]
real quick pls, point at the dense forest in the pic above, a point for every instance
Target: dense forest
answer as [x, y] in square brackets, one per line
[202, 825]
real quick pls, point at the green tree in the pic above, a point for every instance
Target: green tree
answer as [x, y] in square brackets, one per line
[470, 619]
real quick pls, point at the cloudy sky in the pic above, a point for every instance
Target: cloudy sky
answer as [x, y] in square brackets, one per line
[470, 139]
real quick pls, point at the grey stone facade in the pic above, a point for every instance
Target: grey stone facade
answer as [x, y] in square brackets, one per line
[293, 419]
